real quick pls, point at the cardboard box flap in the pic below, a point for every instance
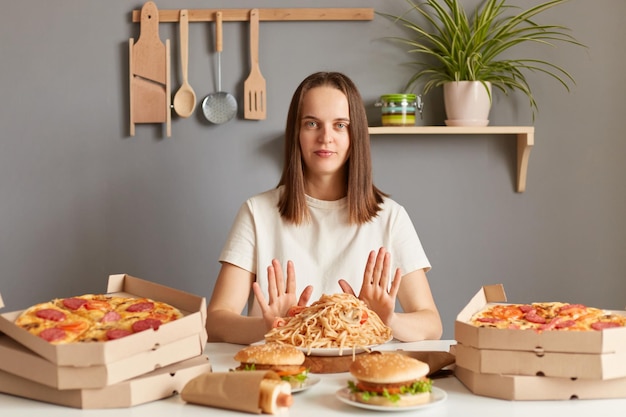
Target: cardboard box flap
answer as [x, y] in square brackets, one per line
[487, 294]
[124, 283]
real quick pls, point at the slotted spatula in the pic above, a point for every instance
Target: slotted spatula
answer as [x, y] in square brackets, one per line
[254, 87]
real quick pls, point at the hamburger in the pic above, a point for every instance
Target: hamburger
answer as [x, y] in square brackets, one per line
[286, 360]
[390, 379]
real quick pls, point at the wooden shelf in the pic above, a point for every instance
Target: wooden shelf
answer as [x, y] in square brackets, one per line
[525, 139]
[243, 15]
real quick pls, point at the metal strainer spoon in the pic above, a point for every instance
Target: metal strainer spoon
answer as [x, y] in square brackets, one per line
[219, 107]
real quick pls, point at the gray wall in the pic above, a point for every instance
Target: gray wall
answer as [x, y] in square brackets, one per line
[81, 199]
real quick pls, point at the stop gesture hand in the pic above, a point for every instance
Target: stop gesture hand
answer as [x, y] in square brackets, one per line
[376, 290]
[282, 295]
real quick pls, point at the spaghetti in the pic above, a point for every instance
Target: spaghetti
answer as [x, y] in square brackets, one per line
[339, 321]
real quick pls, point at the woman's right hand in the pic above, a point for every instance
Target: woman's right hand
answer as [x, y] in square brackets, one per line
[282, 295]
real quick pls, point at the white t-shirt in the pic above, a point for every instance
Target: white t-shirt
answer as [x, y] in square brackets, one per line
[323, 250]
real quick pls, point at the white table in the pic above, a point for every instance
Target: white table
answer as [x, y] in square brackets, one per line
[320, 400]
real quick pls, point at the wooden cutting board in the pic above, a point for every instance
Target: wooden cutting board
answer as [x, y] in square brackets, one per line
[329, 364]
[436, 360]
[149, 73]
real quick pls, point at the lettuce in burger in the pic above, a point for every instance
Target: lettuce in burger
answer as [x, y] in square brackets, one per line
[390, 379]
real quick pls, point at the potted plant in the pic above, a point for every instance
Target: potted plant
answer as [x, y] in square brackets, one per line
[466, 51]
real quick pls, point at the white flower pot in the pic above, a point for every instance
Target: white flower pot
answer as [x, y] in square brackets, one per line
[467, 103]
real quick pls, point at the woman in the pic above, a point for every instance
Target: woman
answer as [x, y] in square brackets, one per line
[326, 220]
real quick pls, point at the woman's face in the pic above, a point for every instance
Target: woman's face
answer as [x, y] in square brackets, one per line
[324, 137]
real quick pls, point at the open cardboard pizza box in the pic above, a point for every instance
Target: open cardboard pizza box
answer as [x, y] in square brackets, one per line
[550, 364]
[604, 341]
[92, 354]
[156, 385]
[522, 387]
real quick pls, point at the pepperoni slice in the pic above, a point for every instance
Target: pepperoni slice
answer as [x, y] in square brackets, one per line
[53, 334]
[564, 324]
[549, 325]
[487, 319]
[141, 325]
[110, 316]
[74, 303]
[526, 308]
[140, 307]
[533, 317]
[600, 325]
[571, 306]
[117, 334]
[50, 314]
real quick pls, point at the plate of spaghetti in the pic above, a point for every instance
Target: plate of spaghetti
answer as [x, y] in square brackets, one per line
[335, 325]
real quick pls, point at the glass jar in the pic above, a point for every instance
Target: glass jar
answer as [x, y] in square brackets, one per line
[399, 109]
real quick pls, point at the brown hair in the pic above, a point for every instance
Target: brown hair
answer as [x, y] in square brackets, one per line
[364, 199]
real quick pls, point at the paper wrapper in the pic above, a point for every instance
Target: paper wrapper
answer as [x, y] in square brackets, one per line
[239, 391]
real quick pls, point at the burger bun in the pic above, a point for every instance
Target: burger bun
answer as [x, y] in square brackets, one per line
[270, 354]
[388, 368]
[378, 371]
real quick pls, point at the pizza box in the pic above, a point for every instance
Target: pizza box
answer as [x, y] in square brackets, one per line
[538, 363]
[523, 387]
[156, 385]
[604, 341]
[16, 359]
[192, 306]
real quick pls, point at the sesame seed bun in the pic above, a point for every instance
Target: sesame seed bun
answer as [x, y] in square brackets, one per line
[393, 374]
[270, 354]
[388, 368]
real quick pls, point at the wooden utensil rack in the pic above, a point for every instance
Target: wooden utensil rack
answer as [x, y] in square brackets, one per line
[149, 96]
[243, 15]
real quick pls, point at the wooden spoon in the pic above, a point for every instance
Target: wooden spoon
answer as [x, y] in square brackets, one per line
[185, 97]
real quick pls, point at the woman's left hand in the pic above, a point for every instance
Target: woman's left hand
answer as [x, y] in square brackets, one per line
[375, 290]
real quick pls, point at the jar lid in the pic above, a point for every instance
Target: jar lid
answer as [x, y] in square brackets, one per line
[398, 97]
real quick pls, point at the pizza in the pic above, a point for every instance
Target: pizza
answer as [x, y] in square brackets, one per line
[546, 316]
[94, 318]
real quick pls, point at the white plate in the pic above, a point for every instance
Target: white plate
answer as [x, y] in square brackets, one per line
[347, 351]
[308, 383]
[438, 396]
